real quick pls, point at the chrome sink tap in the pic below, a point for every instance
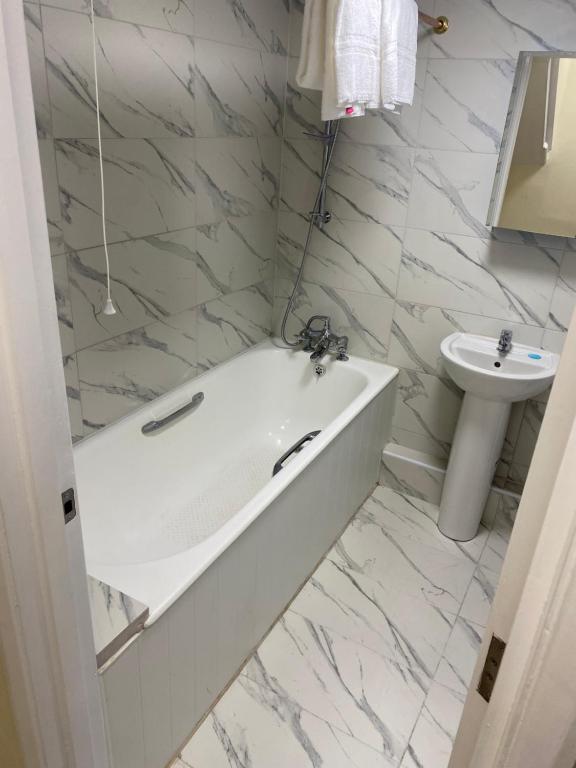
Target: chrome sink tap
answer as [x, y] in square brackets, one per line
[321, 340]
[505, 341]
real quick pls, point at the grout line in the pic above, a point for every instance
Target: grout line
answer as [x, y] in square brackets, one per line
[190, 35]
[164, 320]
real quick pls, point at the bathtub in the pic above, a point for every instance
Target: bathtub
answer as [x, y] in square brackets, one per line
[190, 520]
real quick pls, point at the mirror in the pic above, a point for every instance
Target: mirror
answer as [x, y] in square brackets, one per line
[535, 184]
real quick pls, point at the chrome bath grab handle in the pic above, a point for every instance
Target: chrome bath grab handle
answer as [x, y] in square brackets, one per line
[296, 448]
[154, 426]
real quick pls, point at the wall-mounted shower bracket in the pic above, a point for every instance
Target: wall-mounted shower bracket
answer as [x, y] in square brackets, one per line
[320, 216]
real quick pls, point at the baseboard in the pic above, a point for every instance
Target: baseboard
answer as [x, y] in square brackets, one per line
[422, 475]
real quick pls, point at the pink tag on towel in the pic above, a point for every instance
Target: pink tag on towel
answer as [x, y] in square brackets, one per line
[349, 110]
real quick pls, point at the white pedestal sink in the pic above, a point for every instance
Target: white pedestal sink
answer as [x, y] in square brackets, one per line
[492, 381]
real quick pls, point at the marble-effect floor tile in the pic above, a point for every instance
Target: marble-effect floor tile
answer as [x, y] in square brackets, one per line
[457, 664]
[364, 670]
[254, 727]
[373, 699]
[480, 595]
[433, 738]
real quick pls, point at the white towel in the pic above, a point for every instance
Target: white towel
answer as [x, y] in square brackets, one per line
[360, 53]
[331, 108]
[310, 72]
[356, 37]
[399, 41]
[316, 66]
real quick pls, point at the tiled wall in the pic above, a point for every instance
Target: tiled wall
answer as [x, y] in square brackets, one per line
[192, 98]
[407, 258]
[192, 102]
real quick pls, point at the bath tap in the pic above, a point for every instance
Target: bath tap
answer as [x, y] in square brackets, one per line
[320, 350]
[321, 341]
[505, 341]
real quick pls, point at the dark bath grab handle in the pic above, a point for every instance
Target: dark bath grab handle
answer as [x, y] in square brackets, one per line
[153, 426]
[296, 448]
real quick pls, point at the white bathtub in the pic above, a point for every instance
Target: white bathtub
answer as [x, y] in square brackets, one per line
[190, 522]
[158, 509]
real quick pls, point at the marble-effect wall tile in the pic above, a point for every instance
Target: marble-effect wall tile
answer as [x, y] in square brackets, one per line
[191, 229]
[73, 395]
[234, 254]
[149, 94]
[150, 188]
[494, 31]
[133, 369]
[357, 256]
[51, 195]
[246, 22]
[63, 306]
[564, 297]
[70, 70]
[151, 279]
[172, 15]
[451, 191]
[35, 40]
[465, 104]
[482, 276]
[428, 405]
[239, 92]
[231, 324]
[236, 177]
[528, 434]
[80, 6]
[366, 183]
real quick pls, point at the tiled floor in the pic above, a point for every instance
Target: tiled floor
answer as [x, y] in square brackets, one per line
[370, 665]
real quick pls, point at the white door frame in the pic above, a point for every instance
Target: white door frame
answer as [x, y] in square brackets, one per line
[45, 625]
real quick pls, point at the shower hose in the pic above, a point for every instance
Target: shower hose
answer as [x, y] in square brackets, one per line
[330, 137]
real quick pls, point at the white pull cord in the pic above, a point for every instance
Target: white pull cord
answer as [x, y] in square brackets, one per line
[108, 308]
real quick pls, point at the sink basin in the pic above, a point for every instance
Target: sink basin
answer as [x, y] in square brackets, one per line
[491, 381]
[476, 366]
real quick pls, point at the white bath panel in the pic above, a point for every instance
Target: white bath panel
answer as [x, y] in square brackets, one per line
[122, 696]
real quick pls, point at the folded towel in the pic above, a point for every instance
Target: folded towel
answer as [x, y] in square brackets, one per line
[310, 72]
[399, 41]
[356, 36]
[331, 108]
[360, 53]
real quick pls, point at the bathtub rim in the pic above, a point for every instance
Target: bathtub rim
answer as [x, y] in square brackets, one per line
[378, 375]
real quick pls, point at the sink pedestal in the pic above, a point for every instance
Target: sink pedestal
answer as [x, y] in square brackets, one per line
[475, 452]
